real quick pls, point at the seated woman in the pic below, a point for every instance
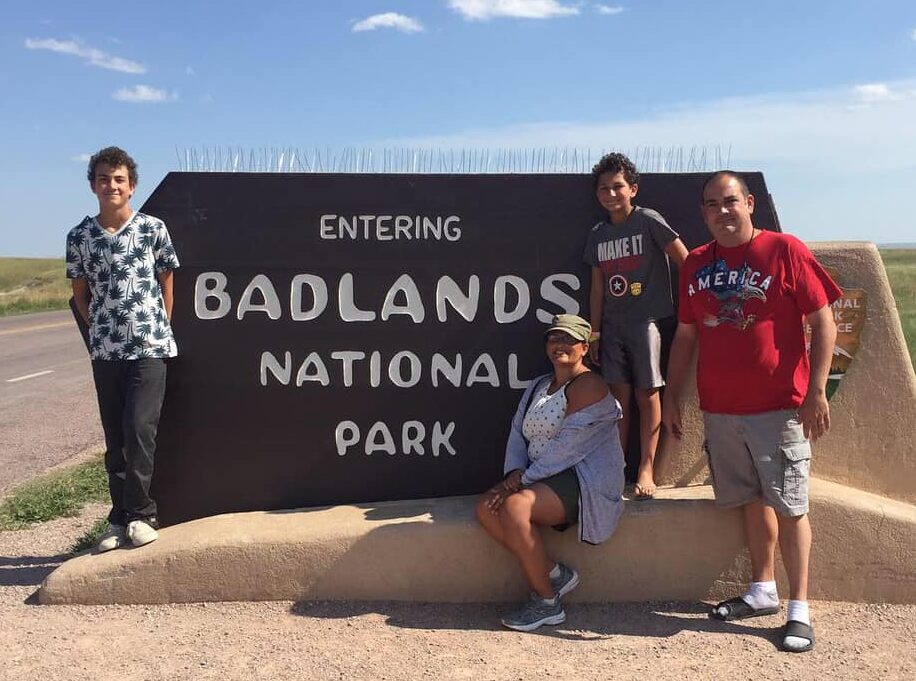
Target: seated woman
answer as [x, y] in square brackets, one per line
[564, 465]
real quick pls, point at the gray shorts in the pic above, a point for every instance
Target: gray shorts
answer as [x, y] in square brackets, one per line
[759, 456]
[632, 353]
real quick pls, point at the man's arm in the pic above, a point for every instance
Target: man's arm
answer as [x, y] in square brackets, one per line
[682, 351]
[677, 252]
[814, 412]
[165, 283]
[81, 296]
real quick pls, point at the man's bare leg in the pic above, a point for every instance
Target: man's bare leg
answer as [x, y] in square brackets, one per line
[795, 544]
[760, 530]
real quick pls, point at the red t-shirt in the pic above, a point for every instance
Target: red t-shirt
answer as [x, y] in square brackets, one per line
[748, 303]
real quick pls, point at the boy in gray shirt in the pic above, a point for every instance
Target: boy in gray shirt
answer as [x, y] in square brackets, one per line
[631, 301]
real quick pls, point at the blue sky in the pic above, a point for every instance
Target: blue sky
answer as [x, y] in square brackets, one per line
[820, 96]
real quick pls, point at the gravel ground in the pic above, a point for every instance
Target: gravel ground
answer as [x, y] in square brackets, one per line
[385, 640]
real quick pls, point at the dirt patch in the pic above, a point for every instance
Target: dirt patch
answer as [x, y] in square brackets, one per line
[385, 640]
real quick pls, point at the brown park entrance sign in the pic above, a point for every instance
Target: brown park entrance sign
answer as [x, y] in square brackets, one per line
[356, 338]
[849, 315]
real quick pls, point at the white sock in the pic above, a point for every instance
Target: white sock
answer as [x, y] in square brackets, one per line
[549, 601]
[553, 574]
[798, 611]
[762, 595]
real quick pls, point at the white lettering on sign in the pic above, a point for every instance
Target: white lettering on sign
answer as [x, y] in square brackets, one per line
[501, 296]
[211, 285]
[405, 369]
[319, 297]
[379, 438]
[558, 297]
[309, 297]
[412, 305]
[347, 305]
[270, 303]
[448, 291]
[389, 227]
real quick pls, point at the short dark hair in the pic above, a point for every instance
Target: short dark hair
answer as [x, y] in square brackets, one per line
[114, 157]
[725, 173]
[614, 163]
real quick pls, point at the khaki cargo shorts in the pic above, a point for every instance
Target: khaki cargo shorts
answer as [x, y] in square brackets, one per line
[759, 456]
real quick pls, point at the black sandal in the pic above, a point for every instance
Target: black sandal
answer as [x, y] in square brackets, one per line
[799, 630]
[739, 609]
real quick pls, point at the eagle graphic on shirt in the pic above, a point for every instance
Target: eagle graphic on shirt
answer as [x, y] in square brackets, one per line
[731, 289]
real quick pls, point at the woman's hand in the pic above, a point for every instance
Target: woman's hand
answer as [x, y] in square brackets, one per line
[513, 481]
[498, 494]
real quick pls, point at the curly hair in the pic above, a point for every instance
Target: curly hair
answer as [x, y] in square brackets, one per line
[729, 174]
[615, 163]
[114, 157]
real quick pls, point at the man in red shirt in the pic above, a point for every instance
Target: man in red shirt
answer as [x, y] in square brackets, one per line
[744, 300]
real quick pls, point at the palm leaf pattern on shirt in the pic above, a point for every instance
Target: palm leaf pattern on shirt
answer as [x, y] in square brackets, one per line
[128, 321]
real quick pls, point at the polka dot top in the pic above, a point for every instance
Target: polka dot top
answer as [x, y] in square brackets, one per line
[543, 419]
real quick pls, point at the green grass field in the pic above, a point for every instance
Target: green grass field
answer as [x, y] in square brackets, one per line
[901, 271]
[32, 285]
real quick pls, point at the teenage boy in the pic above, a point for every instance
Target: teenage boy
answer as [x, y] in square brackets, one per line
[745, 297]
[120, 264]
[631, 302]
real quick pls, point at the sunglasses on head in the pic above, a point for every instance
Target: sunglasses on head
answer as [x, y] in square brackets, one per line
[562, 337]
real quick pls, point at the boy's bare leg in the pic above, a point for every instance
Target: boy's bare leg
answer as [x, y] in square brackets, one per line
[650, 421]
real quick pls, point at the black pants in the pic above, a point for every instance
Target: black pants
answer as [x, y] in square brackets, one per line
[130, 396]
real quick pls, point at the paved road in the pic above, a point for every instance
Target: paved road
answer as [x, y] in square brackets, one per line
[48, 412]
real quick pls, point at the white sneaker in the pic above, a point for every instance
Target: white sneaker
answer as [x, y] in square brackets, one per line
[141, 533]
[113, 538]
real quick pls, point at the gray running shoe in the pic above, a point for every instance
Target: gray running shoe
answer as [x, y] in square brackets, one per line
[113, 538]
[534, 613]
[566, 582]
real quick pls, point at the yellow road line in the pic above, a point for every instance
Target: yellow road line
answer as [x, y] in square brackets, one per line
[39, 327]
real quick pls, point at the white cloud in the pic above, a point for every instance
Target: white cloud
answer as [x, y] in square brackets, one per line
[815, 150]
[483, 10]
[814, 129]
[877, 93]
[93, 56]
[913, 34]
[189, 71]
[143, 94]
[393, 20]
[608, 9]
[81, 158]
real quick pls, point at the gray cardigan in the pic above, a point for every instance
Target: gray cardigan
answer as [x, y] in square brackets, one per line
[588, 442]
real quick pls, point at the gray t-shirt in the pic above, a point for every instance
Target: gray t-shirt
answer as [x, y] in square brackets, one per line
[127, 317]
[635, 266]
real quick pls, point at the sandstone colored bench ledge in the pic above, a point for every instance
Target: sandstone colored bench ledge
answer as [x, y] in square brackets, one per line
[675, 547]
